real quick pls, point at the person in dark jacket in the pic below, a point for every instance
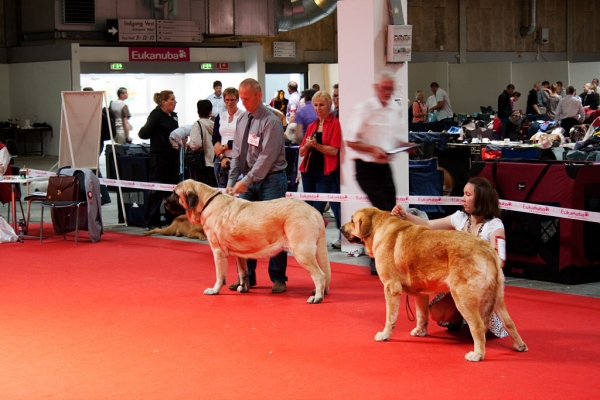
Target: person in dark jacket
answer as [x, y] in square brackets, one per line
[589, 97]
[505, 106]
[164, 159]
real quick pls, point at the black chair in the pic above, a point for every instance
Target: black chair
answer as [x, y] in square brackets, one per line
[62, 211]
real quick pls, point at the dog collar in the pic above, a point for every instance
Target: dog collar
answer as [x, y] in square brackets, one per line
[208, 201]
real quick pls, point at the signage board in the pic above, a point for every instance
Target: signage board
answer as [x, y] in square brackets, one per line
[179, 31]
[206, 66]
[153, 54]
[132, 30]
[222, 67]
[116, 66]
[284, 49]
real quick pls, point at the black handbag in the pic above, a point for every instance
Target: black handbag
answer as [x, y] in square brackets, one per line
[197, 160]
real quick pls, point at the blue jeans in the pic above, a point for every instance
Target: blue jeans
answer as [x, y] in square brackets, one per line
[272, 187]
[318, 182]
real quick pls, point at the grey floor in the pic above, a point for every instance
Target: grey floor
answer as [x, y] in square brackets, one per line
[109, 216]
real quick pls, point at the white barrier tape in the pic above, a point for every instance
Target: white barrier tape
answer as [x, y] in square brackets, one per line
[569, 213]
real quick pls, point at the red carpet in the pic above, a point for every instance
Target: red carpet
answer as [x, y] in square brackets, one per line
[126, 318]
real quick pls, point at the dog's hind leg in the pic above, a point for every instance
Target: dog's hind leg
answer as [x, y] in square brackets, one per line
[323, 260]
[422, 305]
[170, 230]
[509, 325]
[221, 267]
[393, 293]
[309, 256]
[242, 268]
[468, 305]
[309, 262]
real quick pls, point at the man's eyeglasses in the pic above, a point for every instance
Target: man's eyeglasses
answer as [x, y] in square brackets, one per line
[231, 100]
[336, 95]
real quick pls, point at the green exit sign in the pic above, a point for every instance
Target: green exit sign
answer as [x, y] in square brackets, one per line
[206, 66]
[116, 66]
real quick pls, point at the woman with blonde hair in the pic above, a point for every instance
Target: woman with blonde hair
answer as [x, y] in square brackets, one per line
[419, 107]
[320, 148]
[164, 159]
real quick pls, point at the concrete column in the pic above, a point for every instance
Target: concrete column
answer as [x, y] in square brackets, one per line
[75, 67]
[361, 53]
[255, 65]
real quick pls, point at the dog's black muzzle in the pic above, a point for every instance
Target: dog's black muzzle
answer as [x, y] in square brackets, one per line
[172, 204]
[351, 238]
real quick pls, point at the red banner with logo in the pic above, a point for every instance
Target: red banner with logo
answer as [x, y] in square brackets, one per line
[159, 54]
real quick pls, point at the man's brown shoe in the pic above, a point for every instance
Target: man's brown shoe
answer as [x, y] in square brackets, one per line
[278, 287]
[235, 285]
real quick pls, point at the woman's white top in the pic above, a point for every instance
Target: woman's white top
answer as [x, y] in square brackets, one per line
[227, 129]
[459, 220]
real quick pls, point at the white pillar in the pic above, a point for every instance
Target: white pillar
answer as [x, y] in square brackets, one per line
[361, 54]
[255, 65]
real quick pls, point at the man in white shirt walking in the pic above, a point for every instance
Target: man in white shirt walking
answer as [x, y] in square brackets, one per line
[443, 107]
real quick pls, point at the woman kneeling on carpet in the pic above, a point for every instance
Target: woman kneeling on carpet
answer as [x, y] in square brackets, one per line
[480, 217]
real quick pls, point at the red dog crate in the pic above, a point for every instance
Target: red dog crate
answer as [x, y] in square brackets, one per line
[545, 247]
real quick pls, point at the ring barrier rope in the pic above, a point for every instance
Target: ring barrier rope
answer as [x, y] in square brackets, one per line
[539, 209]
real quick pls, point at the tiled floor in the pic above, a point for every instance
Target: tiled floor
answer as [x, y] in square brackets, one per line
[109, 215]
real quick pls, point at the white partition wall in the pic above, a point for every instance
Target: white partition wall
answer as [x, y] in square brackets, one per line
[582, 73]
[35, 94]
[526, 74]
[475, 85]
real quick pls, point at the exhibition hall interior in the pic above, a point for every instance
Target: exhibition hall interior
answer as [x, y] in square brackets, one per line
[127, 184]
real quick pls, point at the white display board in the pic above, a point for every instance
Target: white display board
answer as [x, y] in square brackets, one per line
[80, 128]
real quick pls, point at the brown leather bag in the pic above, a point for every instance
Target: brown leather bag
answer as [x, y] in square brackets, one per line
[63, 188]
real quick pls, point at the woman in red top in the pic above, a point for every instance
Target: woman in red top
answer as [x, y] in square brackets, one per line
[320, 147]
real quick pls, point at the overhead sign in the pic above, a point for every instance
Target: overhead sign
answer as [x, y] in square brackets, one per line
[206, 66]
[132, 30]
[159, 54]
[116, 66]
[179, 31]
[222, 67]
[284, 49]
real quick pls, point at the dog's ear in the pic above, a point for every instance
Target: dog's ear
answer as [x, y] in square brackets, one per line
[191, 199]
[364, 226]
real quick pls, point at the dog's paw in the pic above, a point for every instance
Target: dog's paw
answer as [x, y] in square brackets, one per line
[419, 332]
[520, 347]
[382, 337]
[472, 356]
[147, 233]
[314, 300]
[211, 291]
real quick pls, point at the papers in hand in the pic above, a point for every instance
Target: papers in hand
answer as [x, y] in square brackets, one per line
[404, 147]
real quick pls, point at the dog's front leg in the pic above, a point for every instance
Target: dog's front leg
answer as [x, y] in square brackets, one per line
[393, 293]
[221, 267]
[242, 268]
[422, 305]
